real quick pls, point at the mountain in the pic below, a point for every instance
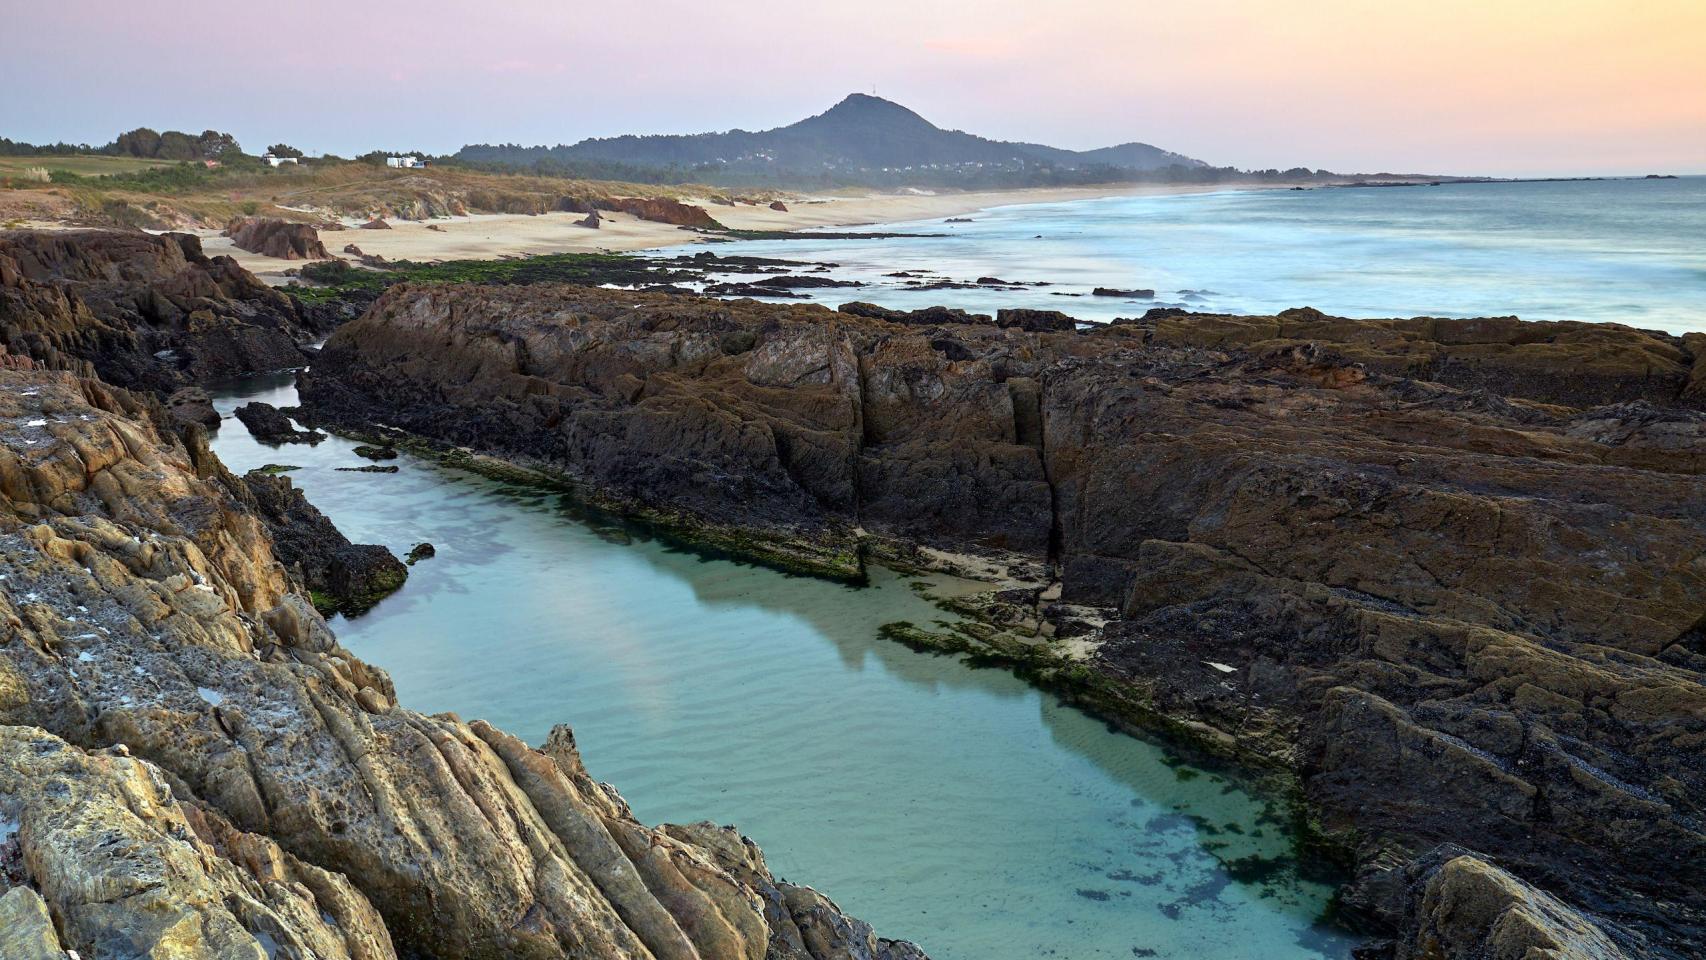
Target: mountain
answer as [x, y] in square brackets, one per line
[860, 135]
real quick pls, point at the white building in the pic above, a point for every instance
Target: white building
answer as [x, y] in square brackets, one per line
[407, 163]
[273, 161]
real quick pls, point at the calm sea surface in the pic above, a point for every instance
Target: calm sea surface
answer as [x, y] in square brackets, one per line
[953, 806]
[1624, 251]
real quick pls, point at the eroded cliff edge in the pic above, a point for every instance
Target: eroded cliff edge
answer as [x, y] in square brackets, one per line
[1450, 573]
[189, 763]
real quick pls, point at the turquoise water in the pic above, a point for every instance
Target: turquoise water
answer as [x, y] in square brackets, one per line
[1622, 251]
[953, 806]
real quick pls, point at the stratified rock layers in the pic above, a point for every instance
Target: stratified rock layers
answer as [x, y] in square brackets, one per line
[190, 765]
[1453, 572]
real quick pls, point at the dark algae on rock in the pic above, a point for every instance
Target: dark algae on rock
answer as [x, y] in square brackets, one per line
[1446, 574]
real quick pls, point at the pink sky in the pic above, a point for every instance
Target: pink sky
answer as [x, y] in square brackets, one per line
[1511, 87]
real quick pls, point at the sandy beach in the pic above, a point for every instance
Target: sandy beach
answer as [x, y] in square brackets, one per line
[489, 236]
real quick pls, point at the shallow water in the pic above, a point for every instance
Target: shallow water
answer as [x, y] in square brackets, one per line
[1625, 251]
[953, 806]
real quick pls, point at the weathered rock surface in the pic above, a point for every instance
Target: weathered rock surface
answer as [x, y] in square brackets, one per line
[1461, 614]
[130, 869]
[193, 405]
[141, 311]
[1467, 907]
[195, 764]
[272, 237]
[1570, 363]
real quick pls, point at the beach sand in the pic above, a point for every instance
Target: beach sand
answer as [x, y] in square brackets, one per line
[490, 236]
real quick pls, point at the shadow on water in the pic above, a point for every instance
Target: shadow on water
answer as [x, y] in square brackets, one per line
[957, 806]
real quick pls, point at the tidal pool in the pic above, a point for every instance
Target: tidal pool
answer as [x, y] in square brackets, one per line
[953, 806]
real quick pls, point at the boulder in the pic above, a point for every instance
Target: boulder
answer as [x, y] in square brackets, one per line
[193, 405]
[664, 210]
[271, 237]
[271, 426]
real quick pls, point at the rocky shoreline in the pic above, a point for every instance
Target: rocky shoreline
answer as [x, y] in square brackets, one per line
[191, 765]
[1446, 573]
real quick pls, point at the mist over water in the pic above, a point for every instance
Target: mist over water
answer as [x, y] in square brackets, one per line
[954, 806]
[1621, 251]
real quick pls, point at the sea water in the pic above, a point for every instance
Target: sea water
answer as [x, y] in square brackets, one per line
[954, 806]
[1621, 251]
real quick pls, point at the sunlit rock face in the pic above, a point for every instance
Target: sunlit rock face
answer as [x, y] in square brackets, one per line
[193, 764]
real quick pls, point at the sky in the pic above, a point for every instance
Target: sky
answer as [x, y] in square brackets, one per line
[1498, 87]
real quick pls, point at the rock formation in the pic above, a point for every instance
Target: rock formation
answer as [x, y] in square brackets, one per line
[271, 426]
[271, 237]
[663, 210]
[190, 765]
[140, 310]
[340, 576]
[1449, 573]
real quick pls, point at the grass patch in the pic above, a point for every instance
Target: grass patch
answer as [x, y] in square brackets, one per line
[82, 166]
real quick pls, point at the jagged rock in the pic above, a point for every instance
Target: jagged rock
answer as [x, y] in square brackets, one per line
[1561, 362]
[1141, 294]
[140, 310]
[1035, 320]
[377, 223]
[778, 205]
[269, 425]
[271, 237]
[419, 552]
[266, 790]
[1460, 615]
[592, 220]
[193, 405]
[369, 452]
[340, 576]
